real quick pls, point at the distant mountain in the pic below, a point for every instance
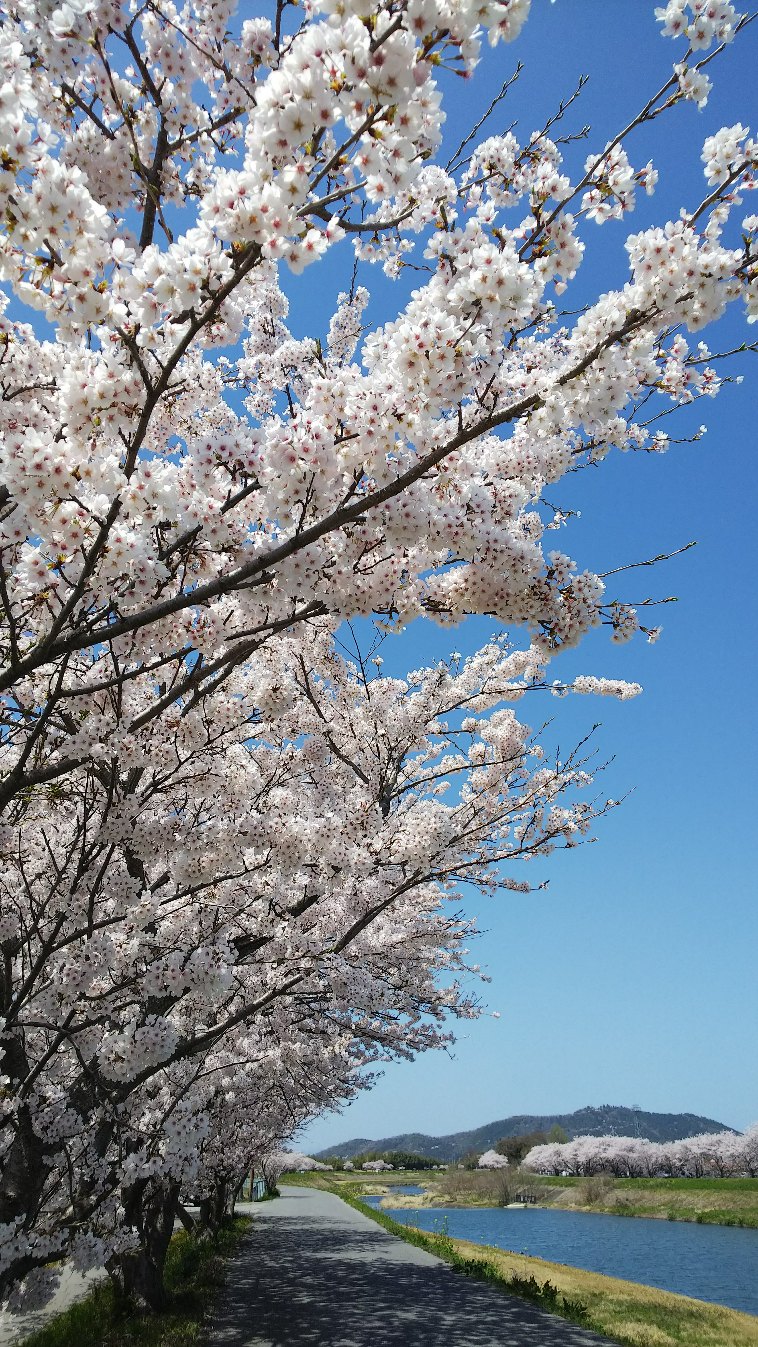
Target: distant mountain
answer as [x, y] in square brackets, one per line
[606, 1120]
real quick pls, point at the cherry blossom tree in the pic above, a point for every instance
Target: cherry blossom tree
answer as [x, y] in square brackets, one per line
[492, 1160]
[254, 904]
[709, 1155]
[227, 860]
[747, 1152]
[167, 506]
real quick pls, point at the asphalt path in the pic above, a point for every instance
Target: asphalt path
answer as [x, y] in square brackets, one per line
[313, 1272]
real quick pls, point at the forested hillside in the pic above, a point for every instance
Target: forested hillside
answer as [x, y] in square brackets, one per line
[605, 1120]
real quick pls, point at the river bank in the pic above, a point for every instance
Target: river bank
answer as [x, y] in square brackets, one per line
[634, 1315]
[705, 1262]
[730, 1202]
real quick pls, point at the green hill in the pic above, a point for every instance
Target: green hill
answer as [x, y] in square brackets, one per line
[606, 1120]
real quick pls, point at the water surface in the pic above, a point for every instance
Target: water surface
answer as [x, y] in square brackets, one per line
[710, 1262]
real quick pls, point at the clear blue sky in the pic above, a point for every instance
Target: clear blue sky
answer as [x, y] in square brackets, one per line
[632, 978]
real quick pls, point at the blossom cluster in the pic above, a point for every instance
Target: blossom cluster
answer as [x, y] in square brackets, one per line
[254, 898]
[134, 426]
[708, 1155]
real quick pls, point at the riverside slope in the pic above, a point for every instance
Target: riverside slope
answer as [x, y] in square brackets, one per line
[315, 1273]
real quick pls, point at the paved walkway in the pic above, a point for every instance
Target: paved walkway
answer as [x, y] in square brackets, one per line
[315, 1273]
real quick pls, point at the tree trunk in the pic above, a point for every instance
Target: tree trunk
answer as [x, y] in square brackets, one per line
[138, 1275]
[26, 1165]
[216, 1209]
[187, 1220]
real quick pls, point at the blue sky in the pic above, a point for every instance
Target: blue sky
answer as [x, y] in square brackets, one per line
[632, 978]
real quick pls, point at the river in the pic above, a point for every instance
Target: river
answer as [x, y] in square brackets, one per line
[709, 1262]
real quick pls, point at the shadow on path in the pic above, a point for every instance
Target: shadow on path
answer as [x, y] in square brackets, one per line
[316, 1273]
[73, 1286]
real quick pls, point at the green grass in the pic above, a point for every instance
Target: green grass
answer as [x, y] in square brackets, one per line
[194, 1274]
[351, 1177]
[630, 1314]
[672, 1185]
[440, 1243]
[700, 1216]
[706, 1201]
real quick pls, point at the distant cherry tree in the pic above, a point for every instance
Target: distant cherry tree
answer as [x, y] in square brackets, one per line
[492, 1160]
[710, 1155]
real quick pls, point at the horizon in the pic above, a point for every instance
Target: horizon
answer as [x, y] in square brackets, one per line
[420, 1131]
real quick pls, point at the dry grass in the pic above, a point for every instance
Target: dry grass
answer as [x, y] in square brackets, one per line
[639, 1316]
[713, 1202]
[484, 1187]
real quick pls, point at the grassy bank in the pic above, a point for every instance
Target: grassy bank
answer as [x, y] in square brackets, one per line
[706, 1201]
[632, 1315]
[194, 1274]
[637, 1316]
